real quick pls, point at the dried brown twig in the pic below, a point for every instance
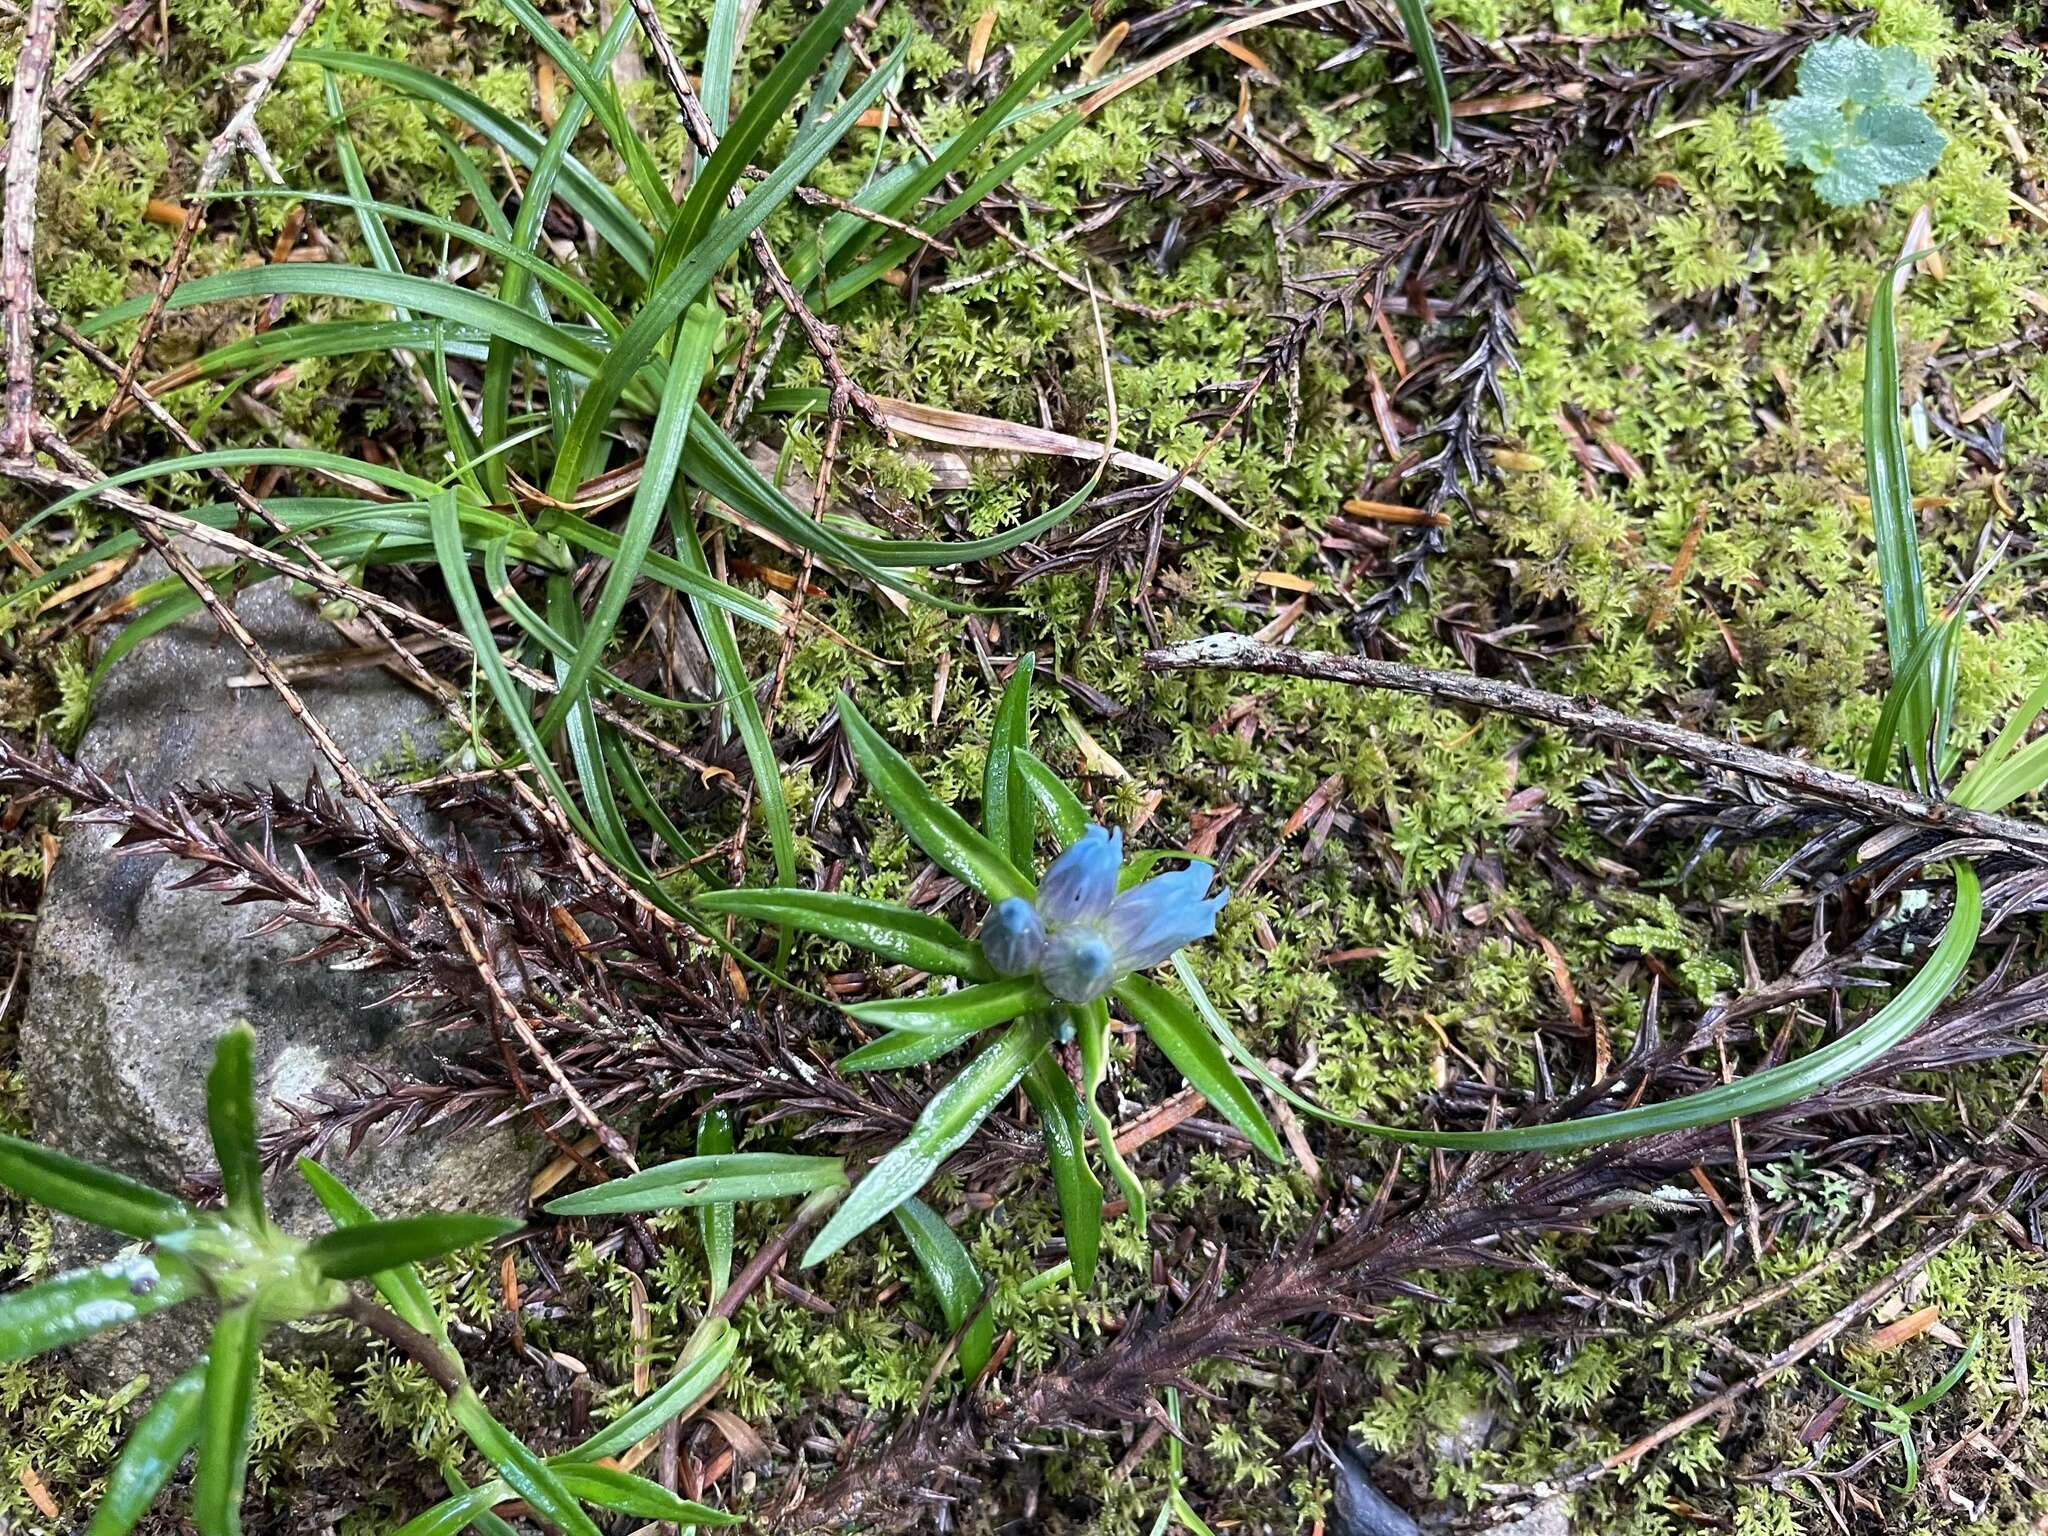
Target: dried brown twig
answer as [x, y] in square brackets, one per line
[18, 226]
[1881, 803]
[239, 134]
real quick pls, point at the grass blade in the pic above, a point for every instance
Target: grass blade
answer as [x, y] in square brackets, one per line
[1422, 42]
[657, 480]
[743, 708]
[657, 316]
[1892, 521]
[581, 189]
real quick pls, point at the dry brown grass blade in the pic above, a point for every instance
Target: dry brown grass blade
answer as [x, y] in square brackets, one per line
[1187, 48]
[990, 434]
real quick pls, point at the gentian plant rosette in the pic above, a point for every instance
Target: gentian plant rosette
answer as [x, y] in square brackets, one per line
[1050, 959]
[1080, 937]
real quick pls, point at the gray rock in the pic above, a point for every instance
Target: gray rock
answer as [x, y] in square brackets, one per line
[132, 982]
[1550, 1518]
[1463, 1440]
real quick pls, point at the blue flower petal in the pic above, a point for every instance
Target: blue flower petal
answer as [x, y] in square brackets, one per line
[1150, 922]
[1078, 966]
[1082, 881]
[1013, 938]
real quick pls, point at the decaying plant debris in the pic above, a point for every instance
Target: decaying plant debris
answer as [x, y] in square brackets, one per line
[560, 994]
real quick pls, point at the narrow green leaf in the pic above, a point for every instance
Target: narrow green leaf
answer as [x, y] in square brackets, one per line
[1080, 1192]
[105, 1199]
[1055, 799]
[2010, 735]
[657, 481]
[231, 1122]
[84, 1302]
[566, 345]
[590, 81]
[657, 316]
[693, 1181]
[977, 1007]
[1173, 1027]
[901, 1048]
[947, 1120]
[515, 284]
[1422, 42]
[355, 1252]
[453, 1514]
[941, 831]
[402, 1289]
[1892, 520]
[905, 196]
[154, 1448]
[628, 1494]
[525, 1473]
[1949, 1378]
[1091, 1033]
[742, 707]
[1772, 1088]
[1006, 809]
[715, 1221]
[767, 105]
[705, 1359]
[1899, 700]
[721, 58]
[469, 612]
[922, 940]
[224, 1420]
[946, 1264]
[582, 189]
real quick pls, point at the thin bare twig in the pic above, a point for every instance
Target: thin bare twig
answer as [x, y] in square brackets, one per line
[18, 225]
[1879, 802]
[1809, 1343]
[94, 53]
[422, 1349]
[239, 133]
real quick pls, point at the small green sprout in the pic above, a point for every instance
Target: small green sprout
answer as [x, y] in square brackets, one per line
[1856, 123]
[255, 1276]
[1897, 1418]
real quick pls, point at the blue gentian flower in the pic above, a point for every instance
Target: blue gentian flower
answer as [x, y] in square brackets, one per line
[1080, 937]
